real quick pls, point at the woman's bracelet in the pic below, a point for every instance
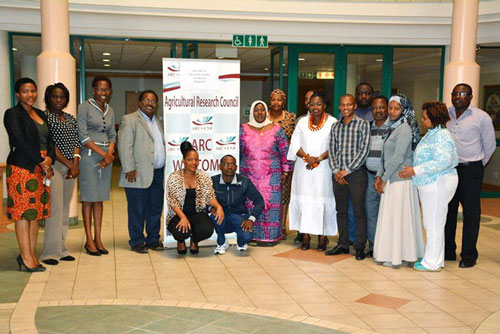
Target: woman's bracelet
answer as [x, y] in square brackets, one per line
[77, 156]
[304, 157]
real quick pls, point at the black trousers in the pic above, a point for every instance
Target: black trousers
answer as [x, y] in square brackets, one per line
[470, 179]
[201, 227]
[356, 189]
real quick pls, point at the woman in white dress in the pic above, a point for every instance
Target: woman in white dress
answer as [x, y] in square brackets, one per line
[312, 205]
[399, 237]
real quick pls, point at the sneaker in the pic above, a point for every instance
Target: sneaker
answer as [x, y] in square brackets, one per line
[242, 248]
[221, 249]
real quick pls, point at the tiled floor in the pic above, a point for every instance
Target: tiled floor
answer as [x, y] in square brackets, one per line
[280, 282]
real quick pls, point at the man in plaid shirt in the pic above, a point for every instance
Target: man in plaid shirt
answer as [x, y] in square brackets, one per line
[349, 147]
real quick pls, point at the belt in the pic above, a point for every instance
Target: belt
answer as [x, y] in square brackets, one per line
[469, 163]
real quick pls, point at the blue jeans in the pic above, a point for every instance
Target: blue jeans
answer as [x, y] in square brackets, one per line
[145, 206]
[232, 223]
[372, 205]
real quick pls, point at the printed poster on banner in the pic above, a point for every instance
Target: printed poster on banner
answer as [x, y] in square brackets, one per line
[201, 104]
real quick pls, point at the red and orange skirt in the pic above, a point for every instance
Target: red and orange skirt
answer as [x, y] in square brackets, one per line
[27, 197]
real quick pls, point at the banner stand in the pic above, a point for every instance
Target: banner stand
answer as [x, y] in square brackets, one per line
[201, 104]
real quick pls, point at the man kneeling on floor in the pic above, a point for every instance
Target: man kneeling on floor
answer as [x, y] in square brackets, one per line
[232, 191]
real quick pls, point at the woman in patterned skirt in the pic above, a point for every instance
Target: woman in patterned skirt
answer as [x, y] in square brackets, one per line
[287, 121]
[263, 149]
[29, 169]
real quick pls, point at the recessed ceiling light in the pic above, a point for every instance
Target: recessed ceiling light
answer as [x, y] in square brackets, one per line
[14, 49]
[107, 65]
[106, 54]
[266, 69]
[302, 59]
[379, 59]
[106, 60]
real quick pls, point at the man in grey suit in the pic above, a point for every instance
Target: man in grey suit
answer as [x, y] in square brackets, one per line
[141, 147]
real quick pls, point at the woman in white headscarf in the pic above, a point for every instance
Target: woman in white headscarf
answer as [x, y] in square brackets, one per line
[263, 150]
[399, 237]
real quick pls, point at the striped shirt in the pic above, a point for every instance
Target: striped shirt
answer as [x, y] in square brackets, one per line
[376, 143]
[349, 145]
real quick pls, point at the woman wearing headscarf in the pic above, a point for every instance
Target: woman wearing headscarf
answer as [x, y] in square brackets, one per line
[312, 204]
[287, 121]
[434, 174]
[263, 150]
[398, 237]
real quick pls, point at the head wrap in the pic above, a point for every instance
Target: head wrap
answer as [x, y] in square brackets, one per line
[407, 115]
[252, 121]
[278, 92]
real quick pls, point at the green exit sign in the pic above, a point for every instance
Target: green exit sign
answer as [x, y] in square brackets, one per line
[250, 41]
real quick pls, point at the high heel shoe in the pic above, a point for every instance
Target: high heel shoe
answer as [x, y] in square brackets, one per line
[306, 242]
[21, 264]
[181, 251]
[321, 243]
[89, 252]
[193, 250]
[103, 251]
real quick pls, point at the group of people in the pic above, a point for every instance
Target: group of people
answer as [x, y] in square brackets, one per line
[361, 177]
[48, 151]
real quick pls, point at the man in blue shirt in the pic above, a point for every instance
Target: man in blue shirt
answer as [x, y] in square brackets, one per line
[232, 191]
[474, 135]
[364, 98]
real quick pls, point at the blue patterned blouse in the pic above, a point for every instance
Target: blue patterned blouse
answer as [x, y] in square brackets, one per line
[434, 156]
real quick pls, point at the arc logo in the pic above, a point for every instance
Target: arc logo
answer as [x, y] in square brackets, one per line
[230, 140]
[177, 142]
[207, 120]
[174, 67]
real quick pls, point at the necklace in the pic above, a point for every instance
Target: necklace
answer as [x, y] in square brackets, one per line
[279, 118]
[318, 127]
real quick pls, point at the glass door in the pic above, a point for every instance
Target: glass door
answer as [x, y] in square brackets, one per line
[367, 64]
[313, 68]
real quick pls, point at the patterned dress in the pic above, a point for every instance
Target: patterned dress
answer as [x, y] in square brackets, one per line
[262, 160]
[287, 123]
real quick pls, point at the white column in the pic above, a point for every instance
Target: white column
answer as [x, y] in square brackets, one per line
[55, 63]
[4, 100]
[462, 66]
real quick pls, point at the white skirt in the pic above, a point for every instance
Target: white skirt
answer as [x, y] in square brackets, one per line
[399, 234]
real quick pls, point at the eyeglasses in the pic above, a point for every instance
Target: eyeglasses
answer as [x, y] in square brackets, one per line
[149, 101]
[461, 94]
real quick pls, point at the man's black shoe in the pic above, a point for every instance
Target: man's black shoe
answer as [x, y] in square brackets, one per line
[337, 250]
[141, 249]
[360, 254]
[462, 264]
[369, 254]
[156, 246]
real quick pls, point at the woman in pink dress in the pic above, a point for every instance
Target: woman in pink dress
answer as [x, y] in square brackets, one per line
[263, 150]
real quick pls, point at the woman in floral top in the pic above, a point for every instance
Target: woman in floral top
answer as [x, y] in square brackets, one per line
[287, 120]
[435, 176]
